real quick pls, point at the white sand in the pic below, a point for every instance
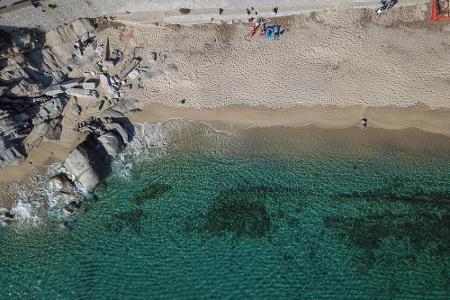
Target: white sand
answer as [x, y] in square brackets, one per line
[334, 57]
[68, 11]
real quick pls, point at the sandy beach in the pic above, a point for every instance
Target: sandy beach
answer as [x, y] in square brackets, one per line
[330, 69]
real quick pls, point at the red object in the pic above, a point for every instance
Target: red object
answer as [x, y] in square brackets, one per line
[436, 14]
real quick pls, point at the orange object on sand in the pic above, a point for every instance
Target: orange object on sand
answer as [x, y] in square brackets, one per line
[438, 12]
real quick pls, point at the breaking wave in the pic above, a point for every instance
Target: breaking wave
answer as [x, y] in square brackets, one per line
[36, 201]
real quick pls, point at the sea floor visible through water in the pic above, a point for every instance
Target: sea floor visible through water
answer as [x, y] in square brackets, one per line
[192, 212]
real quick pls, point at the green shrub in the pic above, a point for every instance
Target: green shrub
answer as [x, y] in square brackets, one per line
[185, 11]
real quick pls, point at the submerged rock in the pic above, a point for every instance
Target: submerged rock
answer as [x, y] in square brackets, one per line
[6, 215]
[72, 207]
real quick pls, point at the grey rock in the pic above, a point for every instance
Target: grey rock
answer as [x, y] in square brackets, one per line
[6, 215]
[89, 85]
[111, 113]
[49, 110]
[120, 129]
[53, 90]
[82, 93]
[87, 165]
[72, 207]
[112, 142]
[134, 74]
[130, 67]
[10, 156]
[25, 88]
[41, 129]
[14, 123]
[70, 83]
[60, 183]
[104, 81]
[153, 56]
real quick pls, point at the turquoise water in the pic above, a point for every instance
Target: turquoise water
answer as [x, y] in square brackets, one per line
[262, 213]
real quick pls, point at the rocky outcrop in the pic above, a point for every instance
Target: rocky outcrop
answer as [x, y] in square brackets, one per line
[89, 163]
[34, 86]
[112, 142]
[36, 89]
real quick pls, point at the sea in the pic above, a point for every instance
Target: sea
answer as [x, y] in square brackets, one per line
[197, 210]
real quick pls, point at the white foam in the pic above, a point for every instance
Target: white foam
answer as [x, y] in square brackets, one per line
[38, 201]
[155, 136]
[27, 212]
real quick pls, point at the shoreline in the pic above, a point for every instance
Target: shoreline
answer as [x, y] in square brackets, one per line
[433, 121]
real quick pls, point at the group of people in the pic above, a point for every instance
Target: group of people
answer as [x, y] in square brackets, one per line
[259, 26]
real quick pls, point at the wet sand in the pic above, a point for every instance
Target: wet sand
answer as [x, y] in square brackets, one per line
[418, 117]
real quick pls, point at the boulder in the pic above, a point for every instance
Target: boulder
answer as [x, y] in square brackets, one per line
[10, 156]
[53, 90]
[129, 68]
[89, 85]
[112, 142]
[104, 81]
[48, 110]
[25, 89]
[6, 215]
[119, 129]
[88, 164]
[82, 93]
[60, 183]
[111, 113]
[72, 207]
[70, 83]
[13, 123]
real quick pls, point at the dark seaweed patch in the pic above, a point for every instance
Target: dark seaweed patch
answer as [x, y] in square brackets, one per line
[242, 214]
[151, 192]
[392, 193]
[247, 211]
[130, 220]
[425, 227]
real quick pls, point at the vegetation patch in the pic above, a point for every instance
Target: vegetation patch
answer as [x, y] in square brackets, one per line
[185, 11]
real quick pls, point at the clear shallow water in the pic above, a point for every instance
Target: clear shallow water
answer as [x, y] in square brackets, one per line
[257, 213]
